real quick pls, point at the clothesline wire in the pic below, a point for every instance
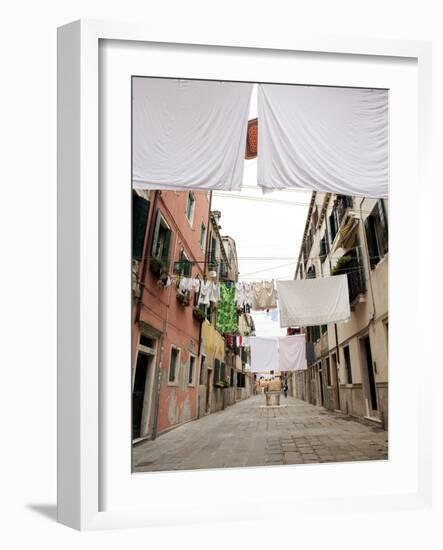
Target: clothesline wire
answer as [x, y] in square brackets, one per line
[259, 258]
[264, 199]
[338, 272]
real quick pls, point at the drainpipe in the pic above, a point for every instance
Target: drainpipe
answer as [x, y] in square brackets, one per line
[336, 349]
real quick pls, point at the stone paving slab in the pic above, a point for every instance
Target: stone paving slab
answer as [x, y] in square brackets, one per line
[248, 434]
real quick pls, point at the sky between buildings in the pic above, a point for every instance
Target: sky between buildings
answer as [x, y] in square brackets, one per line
[267, 234]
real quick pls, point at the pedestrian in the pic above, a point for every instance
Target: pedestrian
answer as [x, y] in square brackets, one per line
[285, 389]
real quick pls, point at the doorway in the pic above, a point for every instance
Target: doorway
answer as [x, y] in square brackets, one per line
[369, 377]
[208, 388]
[142, 388]
[320, 383]
[138, 393]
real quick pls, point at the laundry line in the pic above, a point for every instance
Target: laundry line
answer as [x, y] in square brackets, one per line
[343, 271]
[236, 195]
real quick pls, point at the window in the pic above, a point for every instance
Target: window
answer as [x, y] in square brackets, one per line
[347, 357]
[202, 239]
[333, 226]
[161, 243]
[202, 371]
[183, 267]
[173, 364]
[328, 372]
[314, 333]
[324, 246]
[190, 204]
[216, 371]
[146, 342]
[213, 254]
[231, 380]
[140, 212]
[240, 380]
[191, 369]
[324, 328]
[311, 273]
[376, 228]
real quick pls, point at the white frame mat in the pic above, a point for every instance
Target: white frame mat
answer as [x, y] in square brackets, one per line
[95, 488]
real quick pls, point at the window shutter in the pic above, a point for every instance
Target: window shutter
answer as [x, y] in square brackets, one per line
[140, 212]
[384, 226]
[166, 247]
[374, 257]
[154, 251]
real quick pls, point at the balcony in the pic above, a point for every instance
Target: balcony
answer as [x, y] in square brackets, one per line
[357, 286]
[353, 268]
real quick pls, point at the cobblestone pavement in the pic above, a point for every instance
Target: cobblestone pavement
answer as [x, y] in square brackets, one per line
[249, 434]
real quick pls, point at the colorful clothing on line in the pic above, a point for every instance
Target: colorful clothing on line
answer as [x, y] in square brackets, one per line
[227, 313]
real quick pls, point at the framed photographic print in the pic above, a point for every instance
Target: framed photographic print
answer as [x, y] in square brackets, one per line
[234, 227]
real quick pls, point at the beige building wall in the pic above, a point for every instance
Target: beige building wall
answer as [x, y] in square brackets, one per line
[369, 319]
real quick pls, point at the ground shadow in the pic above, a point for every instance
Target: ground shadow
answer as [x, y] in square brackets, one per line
[47, 510]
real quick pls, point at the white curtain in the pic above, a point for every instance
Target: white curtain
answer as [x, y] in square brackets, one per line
[264, 354]
[292, 353]
[322, 138]
[189, 134]
[312, 302]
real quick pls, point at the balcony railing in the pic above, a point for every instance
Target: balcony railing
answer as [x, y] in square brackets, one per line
[353, 268]
[356, 284]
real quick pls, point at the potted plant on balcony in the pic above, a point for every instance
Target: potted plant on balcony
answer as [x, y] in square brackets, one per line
[156, 265]
[198, 313]
[224, 383]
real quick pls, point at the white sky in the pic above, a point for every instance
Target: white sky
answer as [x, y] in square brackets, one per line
[266, 230]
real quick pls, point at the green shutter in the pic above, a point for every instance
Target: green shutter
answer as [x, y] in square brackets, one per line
[165, 253]
[374, 257]
[140, 211]
[154, 251]
[384, 226]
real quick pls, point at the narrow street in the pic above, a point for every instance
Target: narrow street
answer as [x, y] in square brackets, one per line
[249, 434]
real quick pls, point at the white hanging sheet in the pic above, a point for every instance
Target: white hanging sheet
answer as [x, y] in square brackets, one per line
[189, 134]
[264, 354]
[292, 353]
[323, 138]
[311, 302]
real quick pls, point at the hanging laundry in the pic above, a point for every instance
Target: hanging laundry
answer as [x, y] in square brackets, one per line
[243, 325]
[196, 285]
[264, 354]
[246, 325]
[274, 315]
[214, 292]
[279, 353]
[203, 298]
[243, 295]
[264, 295]
[292, 353]
[326, 139]
[189, 134]
[226, 312]
[313, 302]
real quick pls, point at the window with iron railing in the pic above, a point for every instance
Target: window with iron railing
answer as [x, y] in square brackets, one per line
[351, 265]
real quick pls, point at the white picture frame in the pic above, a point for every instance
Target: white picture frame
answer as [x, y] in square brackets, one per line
[83, 401]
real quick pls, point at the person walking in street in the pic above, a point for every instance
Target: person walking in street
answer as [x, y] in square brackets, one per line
[285, 389]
